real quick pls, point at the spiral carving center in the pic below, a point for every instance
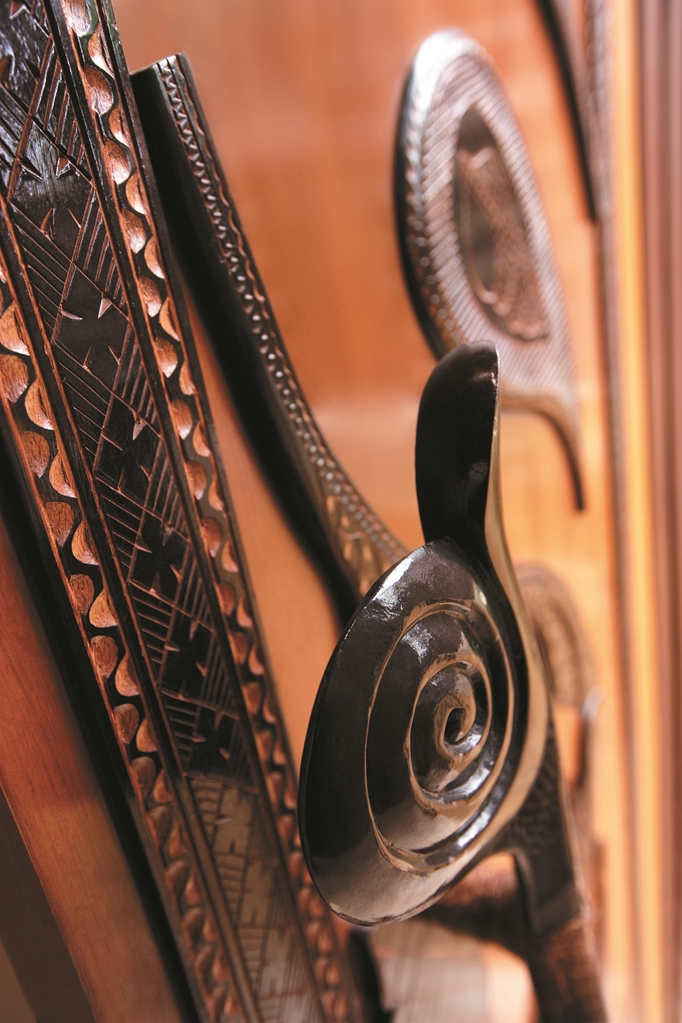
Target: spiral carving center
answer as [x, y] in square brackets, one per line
[451, 718]
[439, 731]
[460, 716]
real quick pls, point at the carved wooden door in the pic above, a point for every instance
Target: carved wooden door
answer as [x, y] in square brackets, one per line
[208, 448]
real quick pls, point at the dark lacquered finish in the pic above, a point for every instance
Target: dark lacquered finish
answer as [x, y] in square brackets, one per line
[430, 744]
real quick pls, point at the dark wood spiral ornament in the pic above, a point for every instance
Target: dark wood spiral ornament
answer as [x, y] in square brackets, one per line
[431, 743]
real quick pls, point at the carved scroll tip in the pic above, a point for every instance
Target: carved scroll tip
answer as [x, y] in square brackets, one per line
[455, 435]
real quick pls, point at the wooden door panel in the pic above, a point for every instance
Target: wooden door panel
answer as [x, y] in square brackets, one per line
[303, 106]
[303, 102]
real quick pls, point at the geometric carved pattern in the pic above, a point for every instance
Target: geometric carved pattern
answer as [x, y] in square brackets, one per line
[104, 407]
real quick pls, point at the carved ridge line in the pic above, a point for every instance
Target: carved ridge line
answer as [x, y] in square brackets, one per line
[365, 545]
[254, 678]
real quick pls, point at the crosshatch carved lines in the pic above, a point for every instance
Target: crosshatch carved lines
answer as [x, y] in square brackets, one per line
[39, 445]
[103, 405]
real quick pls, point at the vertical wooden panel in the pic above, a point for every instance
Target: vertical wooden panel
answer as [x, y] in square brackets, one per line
[661, 141]
[80, 869]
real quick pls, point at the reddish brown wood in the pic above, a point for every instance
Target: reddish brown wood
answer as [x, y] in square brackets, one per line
[661, 125]
[71, 916]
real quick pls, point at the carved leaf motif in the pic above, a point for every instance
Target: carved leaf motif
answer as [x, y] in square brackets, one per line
[97, 51]
[101, 615]
[36, 407]
[117, 126]
[214, 498]
[105, 655]
[13, 376]
[197, 478]
[161, 819]
[243, 616]
[177, 843]
[126, 717]
[135, 230]
[82, 546]
[256, 667]
[240, 649]
[77, 16]
[125, 681]
[11, 332]
[193, 921]
[253, 697]
[177, 874]
[227, 598]
[191, 895]
[212, 535]
[162, 793]
[182, 417]
[145, 772]
[117, 158]
[227, 558]
[146, 743]
[166, 356]
[60, 517]
[37, 451]
[168, 323]
[264, 741]
[136, 194]
[199, 441]
[151, 258]
[186, 382]
[150, 295]
[60, 477]
[82, 592]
